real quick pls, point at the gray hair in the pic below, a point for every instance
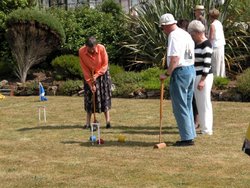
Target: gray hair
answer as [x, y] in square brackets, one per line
[196, 26]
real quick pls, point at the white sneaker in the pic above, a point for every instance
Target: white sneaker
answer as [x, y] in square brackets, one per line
[207, 133]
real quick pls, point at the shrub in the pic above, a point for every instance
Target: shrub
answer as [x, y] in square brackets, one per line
[129, 82]
[110, 6]
[83, 22]
[243, 84]
[220, 83]
[126, 83]
[115, 70]
[32, 88]
[151, 79]
[70, 87]
[67, 67]
[27, 89]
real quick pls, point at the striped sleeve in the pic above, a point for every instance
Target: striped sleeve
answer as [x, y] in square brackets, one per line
[203, 54]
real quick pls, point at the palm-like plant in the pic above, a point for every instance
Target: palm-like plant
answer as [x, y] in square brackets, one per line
[237, 37]
[147, 43]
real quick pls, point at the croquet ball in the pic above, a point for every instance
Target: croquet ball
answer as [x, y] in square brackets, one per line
[121, 138]
[92, 138]
[101, 141]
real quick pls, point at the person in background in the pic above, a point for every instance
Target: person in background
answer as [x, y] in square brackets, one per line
[199, 13]
[204, 76]
[94, 65]
[217, 38]
[180, 62]
[183, 24]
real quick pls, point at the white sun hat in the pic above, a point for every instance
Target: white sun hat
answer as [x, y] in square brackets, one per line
[199, 7]
[167, 19]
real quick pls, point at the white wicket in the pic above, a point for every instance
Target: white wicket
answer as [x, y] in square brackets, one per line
[42, 109]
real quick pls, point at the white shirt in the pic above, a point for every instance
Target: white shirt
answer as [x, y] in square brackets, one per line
[180, 44]
[219, 38]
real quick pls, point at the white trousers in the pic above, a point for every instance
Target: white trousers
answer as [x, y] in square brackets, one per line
[218, 61]
[204, 104]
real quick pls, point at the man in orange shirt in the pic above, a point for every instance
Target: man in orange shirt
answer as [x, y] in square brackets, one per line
[94, 64]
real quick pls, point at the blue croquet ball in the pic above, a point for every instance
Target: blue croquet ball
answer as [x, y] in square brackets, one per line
[92, 138]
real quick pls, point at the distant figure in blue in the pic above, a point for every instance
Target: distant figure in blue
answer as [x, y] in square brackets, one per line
[42, 93]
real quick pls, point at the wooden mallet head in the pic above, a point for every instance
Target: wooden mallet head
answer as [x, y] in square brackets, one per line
[160, 145]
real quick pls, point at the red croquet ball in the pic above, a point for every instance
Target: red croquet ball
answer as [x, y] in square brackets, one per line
[101, 141]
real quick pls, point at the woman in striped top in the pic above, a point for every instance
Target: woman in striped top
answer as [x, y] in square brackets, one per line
[204, 76]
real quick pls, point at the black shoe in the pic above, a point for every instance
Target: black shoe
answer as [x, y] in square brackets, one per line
[108, 126]
[184, 143]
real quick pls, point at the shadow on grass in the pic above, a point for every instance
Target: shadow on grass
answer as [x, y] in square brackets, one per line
[48, 127]
[147, 130]
[115, 143]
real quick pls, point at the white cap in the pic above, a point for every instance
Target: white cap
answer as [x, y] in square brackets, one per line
[167, 19]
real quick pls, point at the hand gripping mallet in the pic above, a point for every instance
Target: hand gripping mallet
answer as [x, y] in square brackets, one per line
[161, 144]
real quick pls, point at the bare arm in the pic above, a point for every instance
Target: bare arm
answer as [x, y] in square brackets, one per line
[212, 33]
[174, 60]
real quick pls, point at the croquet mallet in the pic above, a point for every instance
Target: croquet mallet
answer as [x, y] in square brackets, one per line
[95, 124]
[161, 144]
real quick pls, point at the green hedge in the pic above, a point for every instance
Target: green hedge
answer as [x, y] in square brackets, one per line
[70, 87]
[243, 84]
[67, 67]
[83, 22]
[128, 82]
[220, 83]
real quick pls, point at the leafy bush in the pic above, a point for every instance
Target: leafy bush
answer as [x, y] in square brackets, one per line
[70, 87]
[115, 70]
[129, 82]
[243, 83]
[150, 79]
[83, 22]
[110, 6]
[32, 88]
[220, 83]
[27, 89]
[126, 83]
[67, 67]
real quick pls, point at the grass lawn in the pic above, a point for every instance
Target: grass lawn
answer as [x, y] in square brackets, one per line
[59, 154]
